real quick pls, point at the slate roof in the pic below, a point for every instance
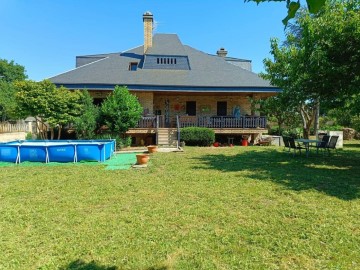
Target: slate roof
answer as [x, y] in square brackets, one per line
[208, 73]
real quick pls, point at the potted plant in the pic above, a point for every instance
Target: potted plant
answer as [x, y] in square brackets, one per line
[142, 159]
[244, 141]
[152, 148]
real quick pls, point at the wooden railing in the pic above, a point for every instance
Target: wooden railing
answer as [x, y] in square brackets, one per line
[147, 122]
[223, 121]
[151, 122]
[8, 127]
[205, 121]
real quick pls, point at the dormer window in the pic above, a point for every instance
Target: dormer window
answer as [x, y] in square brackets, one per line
[133, 66]
[166, 61]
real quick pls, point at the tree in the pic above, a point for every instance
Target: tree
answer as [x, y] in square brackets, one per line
[7, 101]
[277, 109]
[320, 60]
[314, 6]
[85, 123]
[121, 110]
[52, 107]
[9, 72]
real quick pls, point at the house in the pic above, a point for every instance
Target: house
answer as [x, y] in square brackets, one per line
[177, 85]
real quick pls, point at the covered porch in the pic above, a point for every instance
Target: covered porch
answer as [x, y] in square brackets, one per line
[154, 126]
[214, 122]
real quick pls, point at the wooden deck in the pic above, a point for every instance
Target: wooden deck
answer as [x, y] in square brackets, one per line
[220, 124]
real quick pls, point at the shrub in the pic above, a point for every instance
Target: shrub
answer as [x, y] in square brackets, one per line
[197, 136]
[85, 124]
[121, 110]
[29, 136]
[121, 142]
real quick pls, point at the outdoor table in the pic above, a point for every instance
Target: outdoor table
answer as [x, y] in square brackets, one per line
[306, 143]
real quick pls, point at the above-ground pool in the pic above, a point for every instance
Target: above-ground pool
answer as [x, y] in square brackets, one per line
[57, 151]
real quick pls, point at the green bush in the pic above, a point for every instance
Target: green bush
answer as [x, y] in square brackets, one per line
[86, 122]
[331, 127]
[29, 136]
[121, 142]
[121, 110]
[197, 136]
[356, 124]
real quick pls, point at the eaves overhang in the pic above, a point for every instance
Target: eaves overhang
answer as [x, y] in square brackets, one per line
[170, 88]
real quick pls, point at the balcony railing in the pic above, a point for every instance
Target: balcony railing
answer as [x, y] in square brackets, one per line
[204, 121]
[223, 121]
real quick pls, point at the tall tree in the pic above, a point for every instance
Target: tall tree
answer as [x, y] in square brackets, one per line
[314, 6]
[52, 107]
[9, 72]
[7, 101]
[277, 109]
[320, 61]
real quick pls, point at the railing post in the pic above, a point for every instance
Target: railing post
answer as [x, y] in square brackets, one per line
[178, 130]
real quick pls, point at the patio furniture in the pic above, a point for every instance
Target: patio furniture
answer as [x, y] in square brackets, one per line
[286, 143]
[332, 143]
[295, 146]
[307, 143]
[265, 141]
[323, 144]
[230, 140]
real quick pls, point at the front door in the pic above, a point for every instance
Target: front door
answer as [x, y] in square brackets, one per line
[221, 108]
[191, 107]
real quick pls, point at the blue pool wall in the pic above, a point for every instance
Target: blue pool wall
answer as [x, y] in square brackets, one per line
[57, 151]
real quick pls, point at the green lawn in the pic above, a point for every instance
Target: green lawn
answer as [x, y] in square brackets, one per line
[205, 208]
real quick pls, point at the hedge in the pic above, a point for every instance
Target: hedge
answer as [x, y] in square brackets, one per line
[197, 136]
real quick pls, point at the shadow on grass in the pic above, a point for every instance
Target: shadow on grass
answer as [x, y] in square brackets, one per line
[81, 265]
[353, 145]
[336, 175]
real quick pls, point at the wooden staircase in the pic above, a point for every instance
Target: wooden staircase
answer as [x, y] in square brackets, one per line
[167, 137]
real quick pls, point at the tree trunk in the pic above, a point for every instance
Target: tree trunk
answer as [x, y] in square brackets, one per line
[307, 116]
[317, 117]
[51, 133]
[280, 124]
[59, 132]
[41, 128]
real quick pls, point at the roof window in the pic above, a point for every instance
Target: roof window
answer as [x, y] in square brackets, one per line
[133, 66]
[166, 61]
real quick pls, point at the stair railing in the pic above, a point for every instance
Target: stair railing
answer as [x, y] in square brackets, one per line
[157, 129]
[178, 130]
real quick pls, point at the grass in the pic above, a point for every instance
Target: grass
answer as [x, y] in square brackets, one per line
[205, 208]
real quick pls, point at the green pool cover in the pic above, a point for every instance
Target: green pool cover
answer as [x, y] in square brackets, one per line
[122, 161]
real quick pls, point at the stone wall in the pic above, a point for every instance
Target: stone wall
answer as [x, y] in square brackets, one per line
[6, 137]
[146, 100]
[206, 105]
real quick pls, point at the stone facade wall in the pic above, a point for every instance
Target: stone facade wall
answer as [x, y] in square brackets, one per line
[146, 100]
[206, 105]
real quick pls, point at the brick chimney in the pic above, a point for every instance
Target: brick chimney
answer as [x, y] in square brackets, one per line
[222, 52]
[148, 28]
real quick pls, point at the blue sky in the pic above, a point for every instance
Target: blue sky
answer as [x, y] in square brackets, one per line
[46, 35]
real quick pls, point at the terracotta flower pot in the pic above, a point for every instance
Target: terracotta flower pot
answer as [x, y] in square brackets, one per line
[142, 159]
[152, 148]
